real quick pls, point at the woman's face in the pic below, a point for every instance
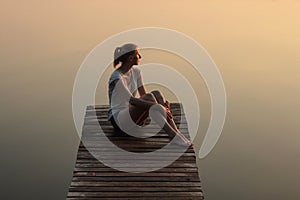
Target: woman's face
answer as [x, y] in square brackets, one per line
[136, 57]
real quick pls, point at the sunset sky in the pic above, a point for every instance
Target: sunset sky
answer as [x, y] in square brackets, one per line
[254, 43]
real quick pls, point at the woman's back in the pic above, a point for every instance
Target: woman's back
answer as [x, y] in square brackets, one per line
[118, 99]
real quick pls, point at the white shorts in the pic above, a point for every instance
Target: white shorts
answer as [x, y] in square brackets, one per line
[124, 121]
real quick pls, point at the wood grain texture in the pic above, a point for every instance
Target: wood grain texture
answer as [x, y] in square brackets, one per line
[94, 180]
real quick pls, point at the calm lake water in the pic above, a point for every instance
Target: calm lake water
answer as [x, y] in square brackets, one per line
[255, 45]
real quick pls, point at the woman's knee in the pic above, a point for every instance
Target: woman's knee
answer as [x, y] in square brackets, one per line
[158, 96]
[156, 93]
[149, 97]
[157, 108]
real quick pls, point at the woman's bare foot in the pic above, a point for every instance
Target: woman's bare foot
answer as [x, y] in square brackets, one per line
[180, 142]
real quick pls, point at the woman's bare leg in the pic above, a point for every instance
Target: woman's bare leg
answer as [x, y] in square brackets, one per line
[161, 100]
[159, 97]
[158, 113]
[139, 114]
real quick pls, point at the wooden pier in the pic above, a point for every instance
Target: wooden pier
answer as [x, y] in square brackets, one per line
[93, 179]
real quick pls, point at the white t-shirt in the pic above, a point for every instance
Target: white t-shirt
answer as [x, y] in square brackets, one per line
[120, 93]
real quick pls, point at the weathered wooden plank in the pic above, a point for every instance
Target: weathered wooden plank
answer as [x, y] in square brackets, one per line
[107, 125]
[105, 107]
[137, 178]
[107, 169]
[133, 194]
[125, 139]
[148, 161]
[136, 189]
[103, 120]
[111, 134]
[135, 198]
[128, 159]
[161, 154]
[103, 117]
[134, 149]
[134, 184]
[103, 113]
[125, 174]
[149, 165]
[143, 144]
[87, 154]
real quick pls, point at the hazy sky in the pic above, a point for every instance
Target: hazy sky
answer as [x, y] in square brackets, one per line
[255, 45]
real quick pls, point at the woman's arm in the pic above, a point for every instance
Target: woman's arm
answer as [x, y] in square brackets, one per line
[125, 94]
[142, 90]
[141, 86]
[147, 104]
[140, 102]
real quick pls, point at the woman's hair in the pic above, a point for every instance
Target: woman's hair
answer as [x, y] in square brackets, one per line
[122, 53]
